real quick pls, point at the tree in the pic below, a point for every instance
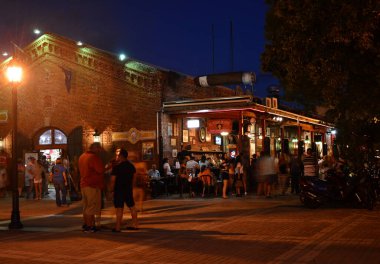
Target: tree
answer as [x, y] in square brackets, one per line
[327, 53]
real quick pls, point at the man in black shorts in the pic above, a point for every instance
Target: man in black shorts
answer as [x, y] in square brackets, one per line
[122, 185]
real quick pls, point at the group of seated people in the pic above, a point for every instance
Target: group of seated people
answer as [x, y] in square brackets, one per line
[191, 176]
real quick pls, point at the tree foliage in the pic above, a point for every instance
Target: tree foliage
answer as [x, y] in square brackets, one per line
[327, 52]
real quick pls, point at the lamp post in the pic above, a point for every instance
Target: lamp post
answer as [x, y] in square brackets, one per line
[14, 75]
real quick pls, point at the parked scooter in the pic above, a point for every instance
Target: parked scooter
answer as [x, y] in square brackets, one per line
[352, 189]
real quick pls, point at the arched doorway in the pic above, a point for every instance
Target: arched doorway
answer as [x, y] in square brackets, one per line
[51, 142]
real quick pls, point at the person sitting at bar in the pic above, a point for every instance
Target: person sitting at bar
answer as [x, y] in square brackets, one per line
[155, 181]
[166, 166]
[192, 168]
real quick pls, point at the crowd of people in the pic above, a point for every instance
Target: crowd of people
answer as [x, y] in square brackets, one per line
[33, 178]
[262, 175]
[213, 176]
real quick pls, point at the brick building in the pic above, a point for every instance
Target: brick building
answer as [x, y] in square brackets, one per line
[71, 93]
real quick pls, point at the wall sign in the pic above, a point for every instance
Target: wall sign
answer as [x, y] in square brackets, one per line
[147, 150]
[217, 126]
[134, 135]
[202, 134]
[185, 136]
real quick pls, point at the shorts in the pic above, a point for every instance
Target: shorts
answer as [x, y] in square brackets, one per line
[225, 176]
[121, 197]
[91, 199]
[271, 178]
[37, 180]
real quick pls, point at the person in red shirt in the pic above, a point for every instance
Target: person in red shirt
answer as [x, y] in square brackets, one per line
[91, 170]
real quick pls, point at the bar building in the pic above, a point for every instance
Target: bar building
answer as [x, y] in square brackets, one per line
[74, 95]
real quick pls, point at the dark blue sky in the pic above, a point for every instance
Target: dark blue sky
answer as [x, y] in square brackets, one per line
[172, 34]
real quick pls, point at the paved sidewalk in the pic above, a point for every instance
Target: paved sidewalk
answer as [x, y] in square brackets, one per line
[236, 230]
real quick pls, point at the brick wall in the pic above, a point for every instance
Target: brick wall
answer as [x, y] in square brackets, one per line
[104, 94]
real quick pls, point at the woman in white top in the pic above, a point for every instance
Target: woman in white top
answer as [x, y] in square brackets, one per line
[167, 169]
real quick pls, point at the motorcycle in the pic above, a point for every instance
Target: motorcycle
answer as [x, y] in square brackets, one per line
[351, 189]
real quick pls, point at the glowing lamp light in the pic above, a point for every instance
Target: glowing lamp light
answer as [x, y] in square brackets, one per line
[294, 140]
[307, 140]
[14, 74]
[79, 43]
[224, 133]
[193, 123]
[37, 31]
[5, 54]
[333, 132]
[1, 143]
[96, 136]
[122, 57]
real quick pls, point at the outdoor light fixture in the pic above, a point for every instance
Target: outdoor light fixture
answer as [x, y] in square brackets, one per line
[37, 31]
[193, 123]
[14, 76]
[5, 54]
[79, 43]
[277, 118]
[333, 132]
[224, 133]
[96, 136]
[122, 57]
[307, 140]
[294, 140]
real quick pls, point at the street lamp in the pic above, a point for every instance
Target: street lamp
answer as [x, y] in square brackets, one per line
[14, 75]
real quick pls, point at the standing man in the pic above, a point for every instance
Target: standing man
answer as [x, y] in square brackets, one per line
[122, 185]
[91, 182]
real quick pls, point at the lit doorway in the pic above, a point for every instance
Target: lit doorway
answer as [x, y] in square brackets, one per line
[51, 154]
[51, 143]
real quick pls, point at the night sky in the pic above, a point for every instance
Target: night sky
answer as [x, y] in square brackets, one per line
[172, 34]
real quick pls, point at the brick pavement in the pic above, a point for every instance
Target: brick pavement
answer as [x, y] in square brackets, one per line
[237, 230]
